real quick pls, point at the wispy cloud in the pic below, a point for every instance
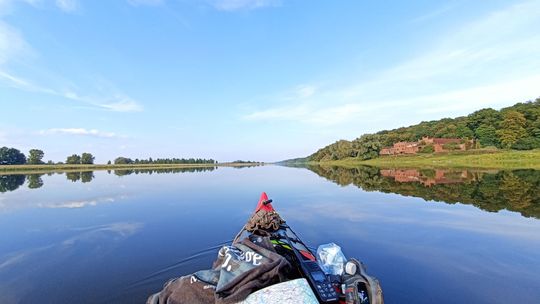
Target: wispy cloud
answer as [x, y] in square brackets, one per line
[67, 6]
[110, 101]
[12, 44]
[117, 102]
[237, 5]
[79, 131]
[306, 113]
[492, 61]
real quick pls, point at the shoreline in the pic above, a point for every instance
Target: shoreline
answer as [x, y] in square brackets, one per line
[35, 169]
[480, 159]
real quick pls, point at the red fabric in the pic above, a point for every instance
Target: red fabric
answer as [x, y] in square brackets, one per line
[261, 206]
[308, 255]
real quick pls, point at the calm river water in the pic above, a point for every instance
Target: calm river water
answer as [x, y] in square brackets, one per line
[429, 236]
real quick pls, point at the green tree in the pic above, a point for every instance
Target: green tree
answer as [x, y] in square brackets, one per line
[122, 161]
[535, 128]
[367, 146]
[87, 159]
[462, 131]
[11, 156]
[512, 128]
[487, 135]
[35, 157]
[487, 116]
[527, 143]
[73, 159]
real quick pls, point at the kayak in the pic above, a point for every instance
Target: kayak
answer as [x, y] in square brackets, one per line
[267, 262]
[353, 286]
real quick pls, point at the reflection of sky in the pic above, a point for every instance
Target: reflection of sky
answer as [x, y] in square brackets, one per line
[457, 216]
[19, 269]
[125, 236]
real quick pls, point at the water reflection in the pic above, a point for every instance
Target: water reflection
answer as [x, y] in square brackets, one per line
[122, 172]
[12, 182]
[35, 181]
[489, 190]
[18, 269]
[73, 176]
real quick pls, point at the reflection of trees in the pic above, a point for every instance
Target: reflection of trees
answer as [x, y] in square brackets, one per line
[73, 176]
[122, 172]
[11, 182]
[87, 176]
[35, 181]
[519, 192]
[246, 165]
[491, 191]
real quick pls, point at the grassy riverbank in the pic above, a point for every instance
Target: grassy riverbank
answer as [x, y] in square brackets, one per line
[489, 159]
[23, 169]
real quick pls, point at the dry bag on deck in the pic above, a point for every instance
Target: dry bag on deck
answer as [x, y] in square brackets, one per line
[239, 270]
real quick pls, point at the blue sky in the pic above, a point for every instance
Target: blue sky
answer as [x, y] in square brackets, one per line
[251, 79]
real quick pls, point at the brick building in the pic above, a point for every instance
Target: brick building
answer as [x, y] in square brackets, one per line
[438, 145]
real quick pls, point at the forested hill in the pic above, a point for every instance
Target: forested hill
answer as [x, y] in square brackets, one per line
[515, 127]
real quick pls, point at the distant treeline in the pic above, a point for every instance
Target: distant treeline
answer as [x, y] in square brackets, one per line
[516, 127]
[294, 162]
[12, 156]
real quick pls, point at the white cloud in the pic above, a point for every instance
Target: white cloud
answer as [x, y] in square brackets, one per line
[67, 6]
[305, 91]
[237, 5]
[79, 131]
[493, 95]
[122, 104]
[81, 203]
